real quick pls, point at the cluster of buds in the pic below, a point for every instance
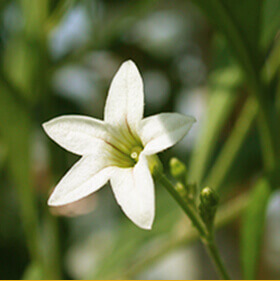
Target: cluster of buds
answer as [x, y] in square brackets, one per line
[178, 171]
[208, 198]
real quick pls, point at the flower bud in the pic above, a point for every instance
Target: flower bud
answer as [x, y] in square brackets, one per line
[209, 197]
[208, 205]
[181, 189]
[178, 170]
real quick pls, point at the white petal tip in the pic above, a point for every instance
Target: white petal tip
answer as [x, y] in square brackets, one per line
[190, 118]
[45, 126]
[145, 224]
[188, 121]
[147, 227]
[129, 65]
[129, 62]
[54, 201]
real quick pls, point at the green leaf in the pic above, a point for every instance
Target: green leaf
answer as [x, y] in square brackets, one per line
[253, 227]
[15, 129]
[271, 21]
[232, 145]
[33, 271]
[221, 103]
[240, 23]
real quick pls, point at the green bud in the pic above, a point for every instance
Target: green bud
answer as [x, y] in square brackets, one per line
[208, 205]
[209, 197]
[178, 170]
[181, 189]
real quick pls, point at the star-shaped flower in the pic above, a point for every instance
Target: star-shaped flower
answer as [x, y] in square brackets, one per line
[117, 149]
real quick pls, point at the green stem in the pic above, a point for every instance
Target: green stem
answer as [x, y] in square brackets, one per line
[267, 142]
[188, 208]
[226, 214]
[205, 236]
[216, 258]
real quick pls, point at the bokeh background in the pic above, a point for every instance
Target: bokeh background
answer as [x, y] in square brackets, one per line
[59, 56]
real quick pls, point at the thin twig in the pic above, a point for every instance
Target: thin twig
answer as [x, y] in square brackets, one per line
[226, 214]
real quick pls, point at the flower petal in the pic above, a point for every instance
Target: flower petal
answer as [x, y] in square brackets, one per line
[85, 177]
[78, 134]
[134, 192]
[77, 208]
[162, 131]
[125, 101]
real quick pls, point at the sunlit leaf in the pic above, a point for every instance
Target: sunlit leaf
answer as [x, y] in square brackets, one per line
[221, 103]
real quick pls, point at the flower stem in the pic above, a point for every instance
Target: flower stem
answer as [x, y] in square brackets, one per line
[216, 258]
[205, 235]
[225, 215]
[188, 208]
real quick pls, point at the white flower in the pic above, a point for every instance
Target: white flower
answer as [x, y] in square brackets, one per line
[117, 149]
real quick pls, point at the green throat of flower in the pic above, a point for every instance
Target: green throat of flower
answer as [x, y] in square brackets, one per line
[126, 148]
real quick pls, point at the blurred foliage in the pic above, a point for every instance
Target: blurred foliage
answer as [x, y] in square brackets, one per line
[253, 225]
[215, 59]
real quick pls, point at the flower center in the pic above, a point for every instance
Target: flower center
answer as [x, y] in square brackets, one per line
[135, 153]
[126, 147]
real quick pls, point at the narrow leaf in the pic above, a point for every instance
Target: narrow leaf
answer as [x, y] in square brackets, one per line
[221, 102]
[240, 23]
[271, 21]
[253, 227]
